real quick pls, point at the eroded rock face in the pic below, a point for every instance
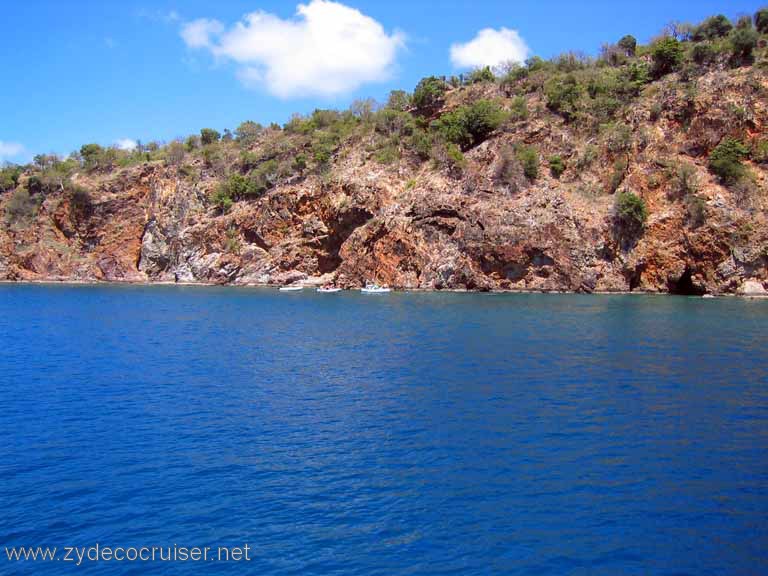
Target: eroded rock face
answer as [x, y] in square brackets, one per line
[416, 226]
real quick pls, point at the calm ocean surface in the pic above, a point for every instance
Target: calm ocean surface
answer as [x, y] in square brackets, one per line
[396, 434]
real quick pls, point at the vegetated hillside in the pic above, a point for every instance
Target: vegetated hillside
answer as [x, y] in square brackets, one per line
[644, 169]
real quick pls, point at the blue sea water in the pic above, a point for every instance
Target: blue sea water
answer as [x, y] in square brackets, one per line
[396, 434]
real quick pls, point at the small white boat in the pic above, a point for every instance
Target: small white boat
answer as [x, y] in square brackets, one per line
[291, 288]
[374, 289]
[328, 290]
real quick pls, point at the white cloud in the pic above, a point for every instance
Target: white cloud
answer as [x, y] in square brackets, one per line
[490, 48]
[198, 34]
[327, 49]
[125, 144]
[10, 149]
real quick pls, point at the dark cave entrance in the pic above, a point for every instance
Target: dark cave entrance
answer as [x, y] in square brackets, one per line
[684, 285]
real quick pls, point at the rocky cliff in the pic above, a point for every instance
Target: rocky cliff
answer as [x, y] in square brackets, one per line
[478, 223]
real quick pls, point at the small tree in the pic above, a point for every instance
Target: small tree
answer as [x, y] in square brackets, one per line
[469, 125]
[9, 177]
[91, 154]
[428, 94]
[628, 45]
[667, 54]
[712, 28]
[725, 161]
[209, 136]
[247, 133]
[631, 213]
[481, 75]
[743, 43]
[398, 100]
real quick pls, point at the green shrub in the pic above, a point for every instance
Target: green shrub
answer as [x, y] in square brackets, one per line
[760, 151]
[761, 20]
[631, 213]
[191, 143]
[743, 42]
[324, 144]
[469, 125]
[587, 157]
[421, 142]
[667, 53]
[21, 208]
[556, 166]
[450, 156]
[209, 136]
[247, 133]
[703, 53]
[428, 94]
[398, 100]
[529, 160]
[391, 122]
[618, 137]
[518, 108]
[387, 154]
[300, 162]
[9, 177]
[563, 94]
[628, 44]
[712, 28]
[221, 198]
[725, 161]
[481, 75]
[91, 155]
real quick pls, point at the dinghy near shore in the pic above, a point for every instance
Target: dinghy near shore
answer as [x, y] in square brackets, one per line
[373, 288]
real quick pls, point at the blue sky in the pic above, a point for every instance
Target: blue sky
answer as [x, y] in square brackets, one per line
[81, 71]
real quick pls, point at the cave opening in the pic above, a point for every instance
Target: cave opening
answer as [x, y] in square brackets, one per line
[684, 286]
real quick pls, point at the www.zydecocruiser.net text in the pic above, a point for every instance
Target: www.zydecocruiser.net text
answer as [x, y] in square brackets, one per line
[97, 553]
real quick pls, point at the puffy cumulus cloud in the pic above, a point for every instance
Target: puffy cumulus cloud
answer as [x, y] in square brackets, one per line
[490, 48]
[126, 144]
[327, 49]
[10, 149]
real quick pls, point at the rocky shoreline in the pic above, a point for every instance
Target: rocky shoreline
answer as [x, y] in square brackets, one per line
[419, 225]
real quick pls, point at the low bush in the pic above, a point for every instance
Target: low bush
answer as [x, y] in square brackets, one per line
[563, 94]
[529, 160]
[428, 94]
[667, 54]
[209, 136]
[712, 28]
[743, 42]
[9, 177]
[631, 213]
[725, 161]
[556, 166]
[469, 125]
[21, 208]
